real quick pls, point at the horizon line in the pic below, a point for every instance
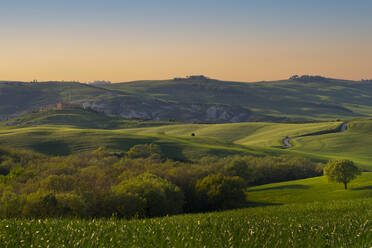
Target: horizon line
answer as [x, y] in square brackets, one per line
[175, 78]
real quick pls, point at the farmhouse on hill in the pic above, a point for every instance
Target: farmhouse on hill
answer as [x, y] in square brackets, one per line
[67, 105]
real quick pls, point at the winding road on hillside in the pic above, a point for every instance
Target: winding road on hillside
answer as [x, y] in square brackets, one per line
[340, 129]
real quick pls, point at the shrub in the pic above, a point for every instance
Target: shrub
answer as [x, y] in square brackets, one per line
[127, 204]
[11, 204]
[221, 192]
[145, 151]
[161, 197]
[40, 204]
[58, 184]
[71, 205]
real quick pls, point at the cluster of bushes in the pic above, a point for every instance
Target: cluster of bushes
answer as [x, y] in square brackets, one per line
[140, 184]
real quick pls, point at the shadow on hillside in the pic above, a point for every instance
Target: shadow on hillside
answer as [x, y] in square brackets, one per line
[54, 148]
[169, 149]
[261, 204]
[363, 188]
[293, 186]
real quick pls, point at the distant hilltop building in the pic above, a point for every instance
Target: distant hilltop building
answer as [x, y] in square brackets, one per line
[67, 105]
[192, 77]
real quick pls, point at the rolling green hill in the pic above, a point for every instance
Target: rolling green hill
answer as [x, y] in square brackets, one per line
[355, 143]
[311, 190]
[256, 133]
[63, 132]
[331, 223]
[200, 99]
[312, 209]
[78, 118]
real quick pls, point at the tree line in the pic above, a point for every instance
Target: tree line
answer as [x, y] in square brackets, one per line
[143, 183]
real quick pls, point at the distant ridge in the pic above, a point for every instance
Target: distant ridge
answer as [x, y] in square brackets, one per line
[200, 99]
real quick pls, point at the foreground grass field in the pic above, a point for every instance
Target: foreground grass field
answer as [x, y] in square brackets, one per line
[314, 214]
[331, 224]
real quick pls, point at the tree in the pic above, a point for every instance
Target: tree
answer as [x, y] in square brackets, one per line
[221, 192]
[294, 77]
[159, 195]
[58, 184]
[239, 166]
[341, 171]
[145, 151]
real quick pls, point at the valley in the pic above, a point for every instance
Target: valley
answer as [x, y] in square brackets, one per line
[83, 159]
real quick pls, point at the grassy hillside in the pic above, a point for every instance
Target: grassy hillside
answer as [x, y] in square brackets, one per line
[71, 131]
[354, 143]
[256, 133]
[314, 212]
[16, 98]
[63, 132]
[305, 98]
[200, 99]
[78, 118]
[331, 224]
[65, 140]
[310, 190]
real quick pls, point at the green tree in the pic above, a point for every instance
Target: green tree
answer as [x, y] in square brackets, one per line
[40, 204]
[341, 171]
[126, 204]
[10, 204]
[239, 166]
[58, 184]
[161, 197]
[221, 192]
[145, 151]
[71, 205]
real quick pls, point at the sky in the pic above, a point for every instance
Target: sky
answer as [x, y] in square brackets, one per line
[238, 40]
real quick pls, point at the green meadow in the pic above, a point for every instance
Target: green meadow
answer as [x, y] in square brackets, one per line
[68, 132]
[57, 140]
[302, 213]
[311, 190]
[355, 143]
[343, 223]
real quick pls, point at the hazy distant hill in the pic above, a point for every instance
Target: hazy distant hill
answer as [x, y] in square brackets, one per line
[199, 99]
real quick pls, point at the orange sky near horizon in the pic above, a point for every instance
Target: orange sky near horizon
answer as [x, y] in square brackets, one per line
[235, 40]
[128, 62]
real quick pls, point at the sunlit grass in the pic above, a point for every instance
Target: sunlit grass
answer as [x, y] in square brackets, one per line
[332, 224]
[310, 190]
[355, 144]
